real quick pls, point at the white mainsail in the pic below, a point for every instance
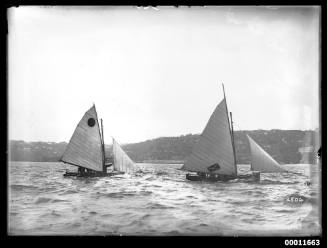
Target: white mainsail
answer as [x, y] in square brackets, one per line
[122, 162]
[261, 160]
[85, 147]
[214, 149]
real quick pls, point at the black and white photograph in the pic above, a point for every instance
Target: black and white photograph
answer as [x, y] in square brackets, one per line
[164, 121]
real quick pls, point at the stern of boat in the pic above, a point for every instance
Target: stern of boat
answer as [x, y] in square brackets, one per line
[193, 177]
[254, 176]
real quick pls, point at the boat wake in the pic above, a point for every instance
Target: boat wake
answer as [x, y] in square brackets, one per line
[267, 181]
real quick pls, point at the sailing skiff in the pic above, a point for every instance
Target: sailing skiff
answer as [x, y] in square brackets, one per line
[213, 156]
[86, 151]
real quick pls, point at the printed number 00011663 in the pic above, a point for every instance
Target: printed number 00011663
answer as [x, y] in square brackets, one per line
[302, 242]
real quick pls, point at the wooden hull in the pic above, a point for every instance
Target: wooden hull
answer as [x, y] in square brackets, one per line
[92, 174]
[254, 177]
[218, 178]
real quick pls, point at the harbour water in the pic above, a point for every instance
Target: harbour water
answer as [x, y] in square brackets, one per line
[158, 200]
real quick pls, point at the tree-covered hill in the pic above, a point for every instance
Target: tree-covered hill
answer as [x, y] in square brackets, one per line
[283, 145]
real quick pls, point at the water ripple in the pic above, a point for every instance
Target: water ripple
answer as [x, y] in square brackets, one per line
[157, 200]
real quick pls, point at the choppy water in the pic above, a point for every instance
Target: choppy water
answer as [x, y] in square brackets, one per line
[158, 201]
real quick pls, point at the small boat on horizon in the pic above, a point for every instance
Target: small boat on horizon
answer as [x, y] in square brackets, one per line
[213, 157]
[86, 150]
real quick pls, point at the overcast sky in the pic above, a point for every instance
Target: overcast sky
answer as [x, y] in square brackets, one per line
[157, 72]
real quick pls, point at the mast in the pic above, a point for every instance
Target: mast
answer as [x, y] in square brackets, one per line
[103, 150]
[233, 142]
[230, 131]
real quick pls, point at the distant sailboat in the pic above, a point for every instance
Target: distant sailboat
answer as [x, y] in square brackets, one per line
[86, 150]
[213, 156]
[261, 160]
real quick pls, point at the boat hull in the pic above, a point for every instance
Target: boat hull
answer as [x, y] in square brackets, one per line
[93, 174]
[253, 177]
[217, 178]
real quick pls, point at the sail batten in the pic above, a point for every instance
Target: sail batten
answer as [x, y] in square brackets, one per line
[261, 160]
[122, 162]
[214, 146]
[84, 148]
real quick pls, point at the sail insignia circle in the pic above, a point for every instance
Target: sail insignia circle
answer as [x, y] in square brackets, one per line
[91, 122]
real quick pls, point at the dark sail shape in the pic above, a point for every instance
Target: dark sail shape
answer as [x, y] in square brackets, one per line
[122, 162]
[84, 148]
[261, 160]
[214, 146]
[213, 167]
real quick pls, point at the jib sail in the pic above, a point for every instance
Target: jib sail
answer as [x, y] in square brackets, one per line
[261, 160]
[122, 162]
